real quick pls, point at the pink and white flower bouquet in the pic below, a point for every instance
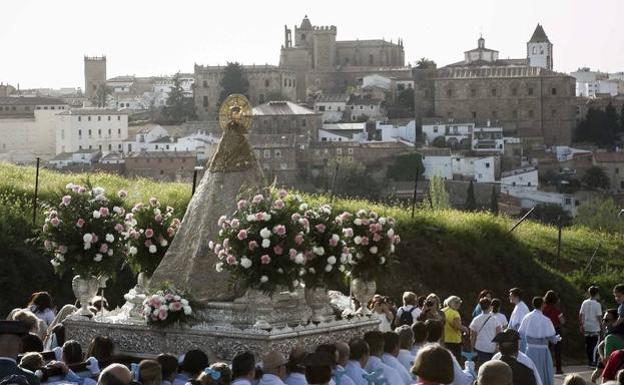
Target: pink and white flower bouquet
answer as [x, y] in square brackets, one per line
[150, 230]
[85, 231]
[263, 244]
[328, 257]
[165, 307]
[372, 241]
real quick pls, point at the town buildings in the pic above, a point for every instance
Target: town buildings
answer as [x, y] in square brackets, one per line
[91, 129]
[524, 96]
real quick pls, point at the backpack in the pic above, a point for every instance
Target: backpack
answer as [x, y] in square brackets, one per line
[406, 317]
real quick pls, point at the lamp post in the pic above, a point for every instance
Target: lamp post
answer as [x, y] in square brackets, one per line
[195, 171]
[34, 217]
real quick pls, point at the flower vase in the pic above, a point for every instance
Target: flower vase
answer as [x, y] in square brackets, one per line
[363, 291]
[261, 307]
[318, 301]
[85, 288]
[137, 295]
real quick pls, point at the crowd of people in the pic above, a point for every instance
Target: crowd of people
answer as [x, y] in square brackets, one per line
[425, 341]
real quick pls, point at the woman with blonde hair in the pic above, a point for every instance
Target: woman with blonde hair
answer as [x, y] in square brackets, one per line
[453, 327]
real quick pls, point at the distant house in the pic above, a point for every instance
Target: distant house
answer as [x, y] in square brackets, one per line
[523, 178]
[81, 157]
[162, 165]
[360, 108]
[332, 107]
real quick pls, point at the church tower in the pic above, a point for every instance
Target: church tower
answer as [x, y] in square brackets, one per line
[540, 50]
[94, 73]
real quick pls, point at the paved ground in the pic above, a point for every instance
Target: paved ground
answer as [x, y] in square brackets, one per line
[584, 371]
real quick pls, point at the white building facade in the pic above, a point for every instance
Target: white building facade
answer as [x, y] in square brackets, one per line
[91, 129]
[525, 179]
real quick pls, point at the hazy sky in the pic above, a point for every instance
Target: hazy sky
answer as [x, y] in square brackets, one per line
[42, 43]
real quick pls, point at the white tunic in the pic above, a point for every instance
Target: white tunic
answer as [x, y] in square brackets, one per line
[406, 358]
[354, 371]
[536, 325]
[394, 362]
[270, 379]
[390, 375]
[517, 315]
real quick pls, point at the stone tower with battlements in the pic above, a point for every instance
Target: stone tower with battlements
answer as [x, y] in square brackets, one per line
[94, 73]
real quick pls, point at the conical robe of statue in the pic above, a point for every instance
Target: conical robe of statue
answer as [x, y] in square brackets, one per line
[189, 264]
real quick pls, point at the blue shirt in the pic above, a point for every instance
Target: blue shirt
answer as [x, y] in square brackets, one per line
[621, 310]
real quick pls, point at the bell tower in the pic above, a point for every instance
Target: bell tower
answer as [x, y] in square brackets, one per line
[540, 50]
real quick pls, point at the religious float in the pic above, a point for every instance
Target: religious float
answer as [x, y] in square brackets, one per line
[248, 267]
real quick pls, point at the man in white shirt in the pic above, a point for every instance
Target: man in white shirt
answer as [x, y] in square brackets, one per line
[274, 369]
[243, 368]
[389, 357]
[520, 310]
[406, 341]
[484, 328]
[539, 331]
[358, 358]
[590, 316]
[389, 376]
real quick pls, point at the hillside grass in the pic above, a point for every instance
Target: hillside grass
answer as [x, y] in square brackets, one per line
[445, 251]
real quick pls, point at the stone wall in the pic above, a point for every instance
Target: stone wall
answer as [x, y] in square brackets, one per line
[94, 74]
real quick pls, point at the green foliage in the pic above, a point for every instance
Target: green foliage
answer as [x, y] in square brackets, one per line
[601, 215]
[438, 197]
[596, 178]
[405, 99]
[551, 213]
[347, 178]
[234, 81]
[439, 142]
[101, 95]
[405, 166]
[179, 107]
[599, 127]
[425, 63]
[494, 201]
[471, 203]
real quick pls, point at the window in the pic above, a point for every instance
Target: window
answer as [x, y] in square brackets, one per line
[100, 147]
[267, 83]
[109, 118]
[89, 133]
[267, 154]
[350, 151]
[79, 132]
[617, 170]
[109, 132]
[79, 118]
[321, 108]
[44, 107]
[568, 201]
[529, 184]
[90, 147]
[205, 101]
[118, 117]
[205, 84]
[514, 91]
[534, 50]
[304, 122]
[361, 107]
[156, 147]
[89, 118]
[487, 165]
[339, 151]
[119, 132]
[530, 91]
[435, 129]
[99, 118]
[278, 153]
[119, 146]
[493, 92]
[474, 115]
[553, 91]
[80, 147]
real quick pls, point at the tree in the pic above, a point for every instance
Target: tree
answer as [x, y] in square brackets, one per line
[439, 142]
[234, 81]
[438, 197]
[550, 214]
[425, 63]
[600, 214]
[405, 166]
[100, 98]
[351, 179]
[599, 127]
[494, 201]
[179, 107]
[405, 99]
[471, 203]
[621, 128]
[596, 178]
